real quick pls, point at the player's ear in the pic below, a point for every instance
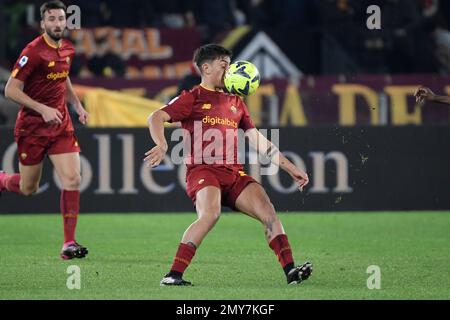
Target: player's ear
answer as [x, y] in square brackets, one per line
[42, 23]
[205, 68]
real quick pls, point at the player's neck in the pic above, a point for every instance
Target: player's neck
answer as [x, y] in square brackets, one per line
[51, 41]
[209, 86]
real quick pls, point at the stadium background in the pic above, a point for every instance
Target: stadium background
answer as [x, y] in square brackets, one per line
[341, 95]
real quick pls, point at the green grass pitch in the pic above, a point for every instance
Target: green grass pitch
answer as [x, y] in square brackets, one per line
[129, 253]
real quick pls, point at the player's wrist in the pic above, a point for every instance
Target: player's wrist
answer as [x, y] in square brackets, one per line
[163, 146]
[291, 169]
[80, 111]
[436, 98]
[78, 106]
[41, 108]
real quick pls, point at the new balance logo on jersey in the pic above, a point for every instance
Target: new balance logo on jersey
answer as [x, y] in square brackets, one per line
[51, 64]
[242, 173]
[207, 106]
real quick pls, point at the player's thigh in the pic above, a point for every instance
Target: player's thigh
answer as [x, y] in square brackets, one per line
[67, 166]
[30, 176]
[208, 202]
[64, 154]
[255, 202]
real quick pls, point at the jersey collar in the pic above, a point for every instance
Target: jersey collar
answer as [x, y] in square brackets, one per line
[49, 44]
[207, 89]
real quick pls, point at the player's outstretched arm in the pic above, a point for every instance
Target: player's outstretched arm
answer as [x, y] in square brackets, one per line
[156, 120]
[264, 147]
[72, 98]
[14, 91]
[424, 94]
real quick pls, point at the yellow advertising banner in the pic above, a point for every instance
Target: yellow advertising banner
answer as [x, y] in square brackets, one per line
[108, 108]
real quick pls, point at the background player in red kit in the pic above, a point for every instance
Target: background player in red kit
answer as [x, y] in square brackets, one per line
[40, 84]
[424, 94]
[210, 185]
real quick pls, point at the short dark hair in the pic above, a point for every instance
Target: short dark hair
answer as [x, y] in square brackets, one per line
[49, 5]
[210, 52]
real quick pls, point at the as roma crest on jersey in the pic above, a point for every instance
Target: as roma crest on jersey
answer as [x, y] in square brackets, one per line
[68, 60]
[233, 109]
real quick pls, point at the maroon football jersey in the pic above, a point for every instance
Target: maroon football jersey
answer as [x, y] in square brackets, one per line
[205, 109]
[44, 69]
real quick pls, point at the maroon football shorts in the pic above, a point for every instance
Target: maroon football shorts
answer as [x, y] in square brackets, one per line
[32, 149]
[229, 180]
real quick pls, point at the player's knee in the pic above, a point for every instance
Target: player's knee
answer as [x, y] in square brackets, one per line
[210, 217]
[268, 209]
[268, 214]
[72, 181]
[213, 217]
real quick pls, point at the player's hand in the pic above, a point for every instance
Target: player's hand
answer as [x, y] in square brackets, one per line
[51, 115]
[300, 177]
[83, 116]
[155, 155]
[423, 94]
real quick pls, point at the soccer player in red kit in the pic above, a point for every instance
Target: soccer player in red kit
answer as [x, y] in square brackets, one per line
[40, 84]
[211, 185]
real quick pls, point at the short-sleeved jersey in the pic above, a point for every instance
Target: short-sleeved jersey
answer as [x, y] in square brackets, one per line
[205, 109]
[44, 69]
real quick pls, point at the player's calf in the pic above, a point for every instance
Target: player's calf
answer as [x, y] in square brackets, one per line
[28, 190]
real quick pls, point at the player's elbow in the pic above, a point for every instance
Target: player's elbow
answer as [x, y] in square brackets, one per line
[155, 117]
[8, 90]
[150, 118]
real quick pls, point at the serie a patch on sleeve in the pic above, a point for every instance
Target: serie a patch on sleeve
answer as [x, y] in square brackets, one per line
[23, 61]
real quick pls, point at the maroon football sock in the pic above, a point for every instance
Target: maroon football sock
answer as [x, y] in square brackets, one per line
[70, 206]
[183, 258]
[11, 182]
[280, 245]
